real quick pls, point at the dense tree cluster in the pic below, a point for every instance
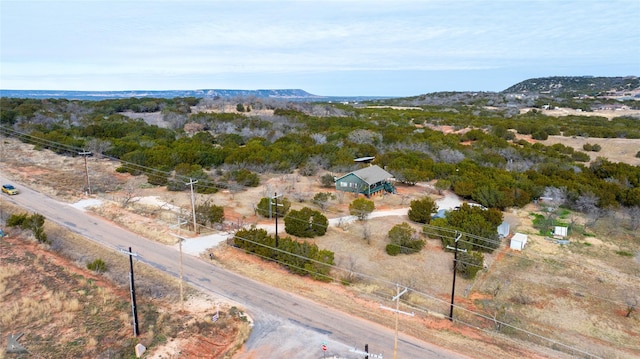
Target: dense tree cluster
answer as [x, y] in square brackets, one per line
[421, 210]
[301, 258]
[485, 163]
[478, 225]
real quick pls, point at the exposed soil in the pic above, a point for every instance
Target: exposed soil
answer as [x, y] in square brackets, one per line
[63, 310]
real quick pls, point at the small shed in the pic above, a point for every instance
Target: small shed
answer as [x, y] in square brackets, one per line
[560, 231]
[518, 241]
[368, 181]
[504, 229]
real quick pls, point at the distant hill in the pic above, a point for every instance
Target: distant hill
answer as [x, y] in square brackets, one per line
[101, 95]
[578, 85]
[278, 94]
[562, 86]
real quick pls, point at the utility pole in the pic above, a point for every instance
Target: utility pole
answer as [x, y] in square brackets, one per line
[133, 290]
[181, 289]
[455, 262]
[193, 204]
[180, 239]
[397, 311]
[275, 204]
[366, 353]
[86, 168]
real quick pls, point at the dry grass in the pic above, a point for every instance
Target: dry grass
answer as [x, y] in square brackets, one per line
[615, 149]
[73, 312]
[55, 313]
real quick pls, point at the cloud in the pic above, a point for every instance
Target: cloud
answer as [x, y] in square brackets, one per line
[169, 39]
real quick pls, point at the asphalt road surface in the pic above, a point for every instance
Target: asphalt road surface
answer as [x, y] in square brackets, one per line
[285, 325]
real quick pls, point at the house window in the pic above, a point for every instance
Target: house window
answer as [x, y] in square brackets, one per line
[344, 184]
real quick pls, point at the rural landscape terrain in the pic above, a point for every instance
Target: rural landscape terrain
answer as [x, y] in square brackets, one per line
[539, 159]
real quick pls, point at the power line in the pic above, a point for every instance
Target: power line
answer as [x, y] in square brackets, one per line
[481, 246]
[405, 302]
[149, 170]
[560, 265]
[335, 267]
[511, 254]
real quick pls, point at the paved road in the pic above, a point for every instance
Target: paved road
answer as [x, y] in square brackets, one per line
[286, 325]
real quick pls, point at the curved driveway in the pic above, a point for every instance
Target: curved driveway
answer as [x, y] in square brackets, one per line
[285, 325]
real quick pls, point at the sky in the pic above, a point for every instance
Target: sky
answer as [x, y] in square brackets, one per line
[330, 48]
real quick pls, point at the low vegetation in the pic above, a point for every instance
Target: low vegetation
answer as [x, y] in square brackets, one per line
[97, 265]
[299, 257]
[403, 239]
[34, 222]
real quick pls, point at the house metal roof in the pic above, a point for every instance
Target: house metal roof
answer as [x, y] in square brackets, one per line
[371, 174]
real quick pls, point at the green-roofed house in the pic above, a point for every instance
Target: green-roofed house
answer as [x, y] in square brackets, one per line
[368, 181]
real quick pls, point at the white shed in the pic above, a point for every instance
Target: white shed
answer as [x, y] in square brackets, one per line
[518, 241]
[560, 231]
[504, 229]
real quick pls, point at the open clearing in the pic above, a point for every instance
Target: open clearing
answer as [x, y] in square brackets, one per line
[574, 295]
[614, 149]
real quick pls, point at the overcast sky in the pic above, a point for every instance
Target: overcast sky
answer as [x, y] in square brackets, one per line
[334, 48]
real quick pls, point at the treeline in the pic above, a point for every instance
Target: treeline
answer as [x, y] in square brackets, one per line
[485, 163]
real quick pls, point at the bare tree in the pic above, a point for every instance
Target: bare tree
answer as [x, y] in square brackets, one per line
[450, 156]
[632, 303]
[350, 264]
[555, 196]
[99, 147]
[174, 119]
[300, 195]
[309, 169]
[129, 195]
[588, 203]
[497, 313]
[366, 232]
[193, 127]
[319, 138]
[234, 188]
[633, 214]
[496, 290]
[404, 198]
[364, 137]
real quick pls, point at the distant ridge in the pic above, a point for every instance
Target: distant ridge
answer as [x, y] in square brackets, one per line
[276, 94]
[104, 95]
[577, 85]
